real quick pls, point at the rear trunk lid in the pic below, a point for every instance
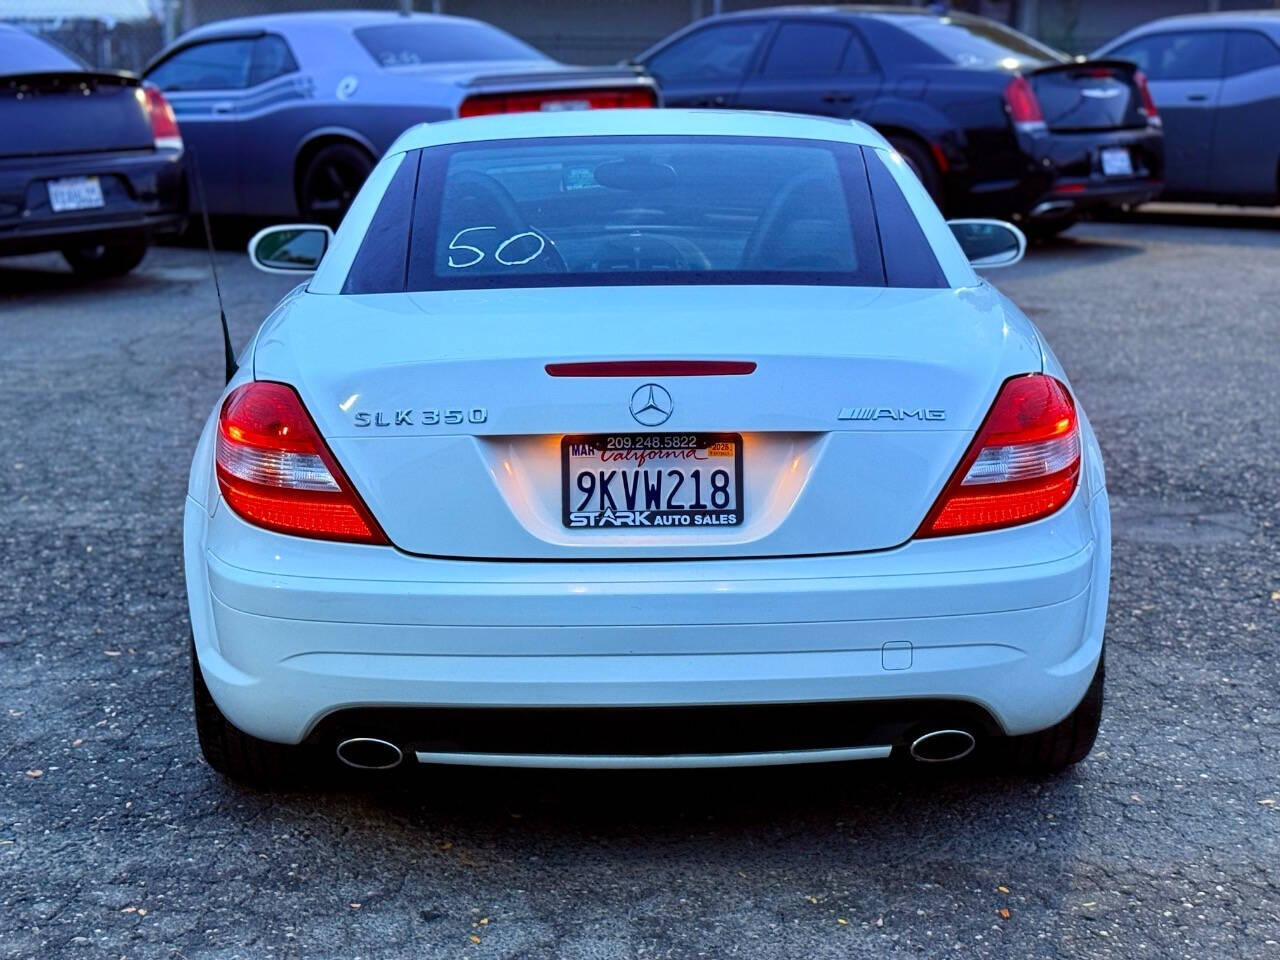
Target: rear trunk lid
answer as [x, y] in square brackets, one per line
[45, 114]
[440, 408]
[1089, 95]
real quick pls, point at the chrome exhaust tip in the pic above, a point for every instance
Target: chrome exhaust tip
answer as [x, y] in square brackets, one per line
[942, 746]
[1053, 208]
[369, 753]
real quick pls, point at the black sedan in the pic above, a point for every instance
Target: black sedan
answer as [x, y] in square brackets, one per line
[91, 163]
[993, 122]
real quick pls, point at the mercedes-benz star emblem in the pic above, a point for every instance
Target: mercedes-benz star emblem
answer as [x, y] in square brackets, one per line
[651, 405]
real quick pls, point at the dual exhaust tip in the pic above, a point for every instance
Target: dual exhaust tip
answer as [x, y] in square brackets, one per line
[370, 753]
[942, 746]
[373, 753]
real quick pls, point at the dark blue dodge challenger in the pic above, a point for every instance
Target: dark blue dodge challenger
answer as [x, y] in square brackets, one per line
[286, 114]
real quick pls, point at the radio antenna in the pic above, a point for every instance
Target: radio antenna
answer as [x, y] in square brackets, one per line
[228, 354]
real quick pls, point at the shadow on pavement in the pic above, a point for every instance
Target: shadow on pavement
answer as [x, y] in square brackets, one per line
[1198, 215]
[881, 791]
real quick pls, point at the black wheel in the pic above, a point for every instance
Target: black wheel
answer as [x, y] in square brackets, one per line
[330, 181]
[1069, 740]
[922, 165]
[237, 755]
[106, 259]
[1044, 229]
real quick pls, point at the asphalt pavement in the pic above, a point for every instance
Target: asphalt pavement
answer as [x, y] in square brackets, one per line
[117, 841]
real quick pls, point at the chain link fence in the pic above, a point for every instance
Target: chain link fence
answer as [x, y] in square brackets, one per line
[575, 31]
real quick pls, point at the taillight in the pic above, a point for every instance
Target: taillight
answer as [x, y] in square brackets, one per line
[1148, 103]
[554, 100]
[164, 125]
[275, 471]
[1024, 108]
[1023, 465]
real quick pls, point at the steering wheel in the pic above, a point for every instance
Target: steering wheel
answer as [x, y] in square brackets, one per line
[773, 217]
[477, 199]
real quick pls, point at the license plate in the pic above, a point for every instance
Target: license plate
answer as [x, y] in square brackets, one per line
[559, 106]
[1116, 162]
[75, 193]
[662, 481]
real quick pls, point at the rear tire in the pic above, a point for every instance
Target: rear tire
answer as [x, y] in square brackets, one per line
[921, 163]
[1069, 740]
[105, 260]
[330, 181]
[237, 755]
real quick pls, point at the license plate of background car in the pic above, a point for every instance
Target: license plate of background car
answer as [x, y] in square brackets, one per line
[1116, 162]
[658, 481]
[75, 193]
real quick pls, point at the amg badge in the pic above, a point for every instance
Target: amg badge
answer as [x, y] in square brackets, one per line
[891, 413]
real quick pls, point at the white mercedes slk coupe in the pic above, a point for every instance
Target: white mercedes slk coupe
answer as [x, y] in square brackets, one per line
[626, 439]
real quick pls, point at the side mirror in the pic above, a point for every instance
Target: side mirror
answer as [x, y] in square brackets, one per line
[290, 247]
[989, 243]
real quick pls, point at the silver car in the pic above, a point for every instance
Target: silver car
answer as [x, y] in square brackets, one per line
[1216, 81]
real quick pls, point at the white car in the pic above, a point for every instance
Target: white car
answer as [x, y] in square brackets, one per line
[624, 439]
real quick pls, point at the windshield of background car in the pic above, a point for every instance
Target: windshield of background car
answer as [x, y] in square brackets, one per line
[973, 42]
[594, 211]
[408, 44]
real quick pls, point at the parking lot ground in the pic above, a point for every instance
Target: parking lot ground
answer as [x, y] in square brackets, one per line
[117, 841]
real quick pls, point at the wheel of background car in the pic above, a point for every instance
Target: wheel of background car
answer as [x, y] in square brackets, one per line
[105, 260]
[330, 182]
[917, 158]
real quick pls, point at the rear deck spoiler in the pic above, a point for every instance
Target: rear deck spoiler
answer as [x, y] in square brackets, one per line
[569, 78]
[122, 78]
[1099, 64]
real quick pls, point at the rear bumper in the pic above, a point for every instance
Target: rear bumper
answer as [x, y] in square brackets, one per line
[144, 194]
[1062, 175]
[290, 632]
[1079, 183]
[1072, 197]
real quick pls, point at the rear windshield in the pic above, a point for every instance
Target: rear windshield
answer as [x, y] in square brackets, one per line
[24, 53]
[405, 45]
[596, 211]
[976, 42]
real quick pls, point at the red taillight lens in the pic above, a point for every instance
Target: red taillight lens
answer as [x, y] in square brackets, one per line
[1024, 108]
[1023, 465]
[164, 125]
[275, 471]
[1148, 103]
[489, 103]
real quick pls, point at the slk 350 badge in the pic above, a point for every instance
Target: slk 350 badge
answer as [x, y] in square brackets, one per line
[412, 417]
